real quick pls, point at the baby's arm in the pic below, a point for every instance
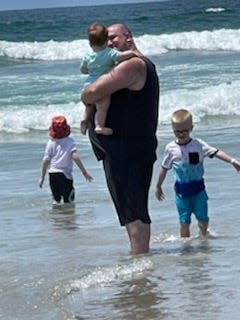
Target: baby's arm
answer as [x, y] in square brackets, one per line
[125, 55]
[162, 175]
[79, 163]
[227, 158]
[44, 167]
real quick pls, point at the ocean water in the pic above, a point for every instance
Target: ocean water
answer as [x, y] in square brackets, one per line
[74, 262]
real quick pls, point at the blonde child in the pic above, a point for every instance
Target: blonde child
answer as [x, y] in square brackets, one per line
[185, 156]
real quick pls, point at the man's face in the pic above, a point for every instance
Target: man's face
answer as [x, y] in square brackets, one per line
[117, 38]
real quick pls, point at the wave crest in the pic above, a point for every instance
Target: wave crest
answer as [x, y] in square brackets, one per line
[223, 39]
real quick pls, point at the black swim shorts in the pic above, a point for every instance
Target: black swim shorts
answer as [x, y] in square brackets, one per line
[61, 187]
[128, 170]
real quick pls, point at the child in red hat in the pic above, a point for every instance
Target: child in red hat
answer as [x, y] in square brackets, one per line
[60, 152]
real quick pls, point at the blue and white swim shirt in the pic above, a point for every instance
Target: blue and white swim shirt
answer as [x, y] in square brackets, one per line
[187, 163]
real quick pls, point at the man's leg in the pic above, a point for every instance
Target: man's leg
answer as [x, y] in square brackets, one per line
[128, 182]
[139, 236]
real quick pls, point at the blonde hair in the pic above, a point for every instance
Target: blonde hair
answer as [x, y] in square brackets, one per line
[97, 34]
[182, 116]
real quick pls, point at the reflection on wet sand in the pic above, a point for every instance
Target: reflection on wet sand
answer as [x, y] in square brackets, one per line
[64, 216]
[139, 297]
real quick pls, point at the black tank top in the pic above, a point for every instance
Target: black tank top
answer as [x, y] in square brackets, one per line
[132, 115]
[135, 113]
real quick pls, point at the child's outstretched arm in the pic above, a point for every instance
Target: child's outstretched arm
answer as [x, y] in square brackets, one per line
[162, 175]
[44, 167]
[79, 163]
[227, 158]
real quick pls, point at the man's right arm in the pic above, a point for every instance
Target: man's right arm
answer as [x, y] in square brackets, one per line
[129, 74]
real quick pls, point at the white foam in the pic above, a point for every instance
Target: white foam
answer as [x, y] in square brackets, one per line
[215, 9]
[49, 50]
[222, 39]
[105, 275]
[165, 238]
[14, 120]
[222, 99]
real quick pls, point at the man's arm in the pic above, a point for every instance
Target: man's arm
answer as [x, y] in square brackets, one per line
[162, 175]
[129, 74]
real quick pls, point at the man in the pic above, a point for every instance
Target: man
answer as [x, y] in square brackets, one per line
[129, 153]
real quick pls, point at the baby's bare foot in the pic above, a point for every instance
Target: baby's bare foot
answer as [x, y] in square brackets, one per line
[105, 131]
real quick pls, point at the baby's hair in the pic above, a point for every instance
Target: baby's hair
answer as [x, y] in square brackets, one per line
[182, 116]
[97, 34]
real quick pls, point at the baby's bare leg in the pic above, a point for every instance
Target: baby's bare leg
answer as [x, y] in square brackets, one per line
[101, 115]
[85, 118]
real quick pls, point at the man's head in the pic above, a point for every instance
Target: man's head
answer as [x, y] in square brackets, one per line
[120, 37]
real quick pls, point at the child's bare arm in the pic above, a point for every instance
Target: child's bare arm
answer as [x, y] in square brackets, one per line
[126, 55]
[79, 163]
[162, 175]
[44, 167]
[227, 158]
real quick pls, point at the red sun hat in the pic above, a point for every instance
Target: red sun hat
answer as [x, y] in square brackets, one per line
[59, 128]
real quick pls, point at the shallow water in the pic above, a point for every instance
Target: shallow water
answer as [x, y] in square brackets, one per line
[73, 262]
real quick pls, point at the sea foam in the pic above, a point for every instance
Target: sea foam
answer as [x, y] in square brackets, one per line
[215, 100]
[222, 39]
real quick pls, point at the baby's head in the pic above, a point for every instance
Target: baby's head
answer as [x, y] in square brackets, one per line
[97, 35]
[59, 128]
[182, 124]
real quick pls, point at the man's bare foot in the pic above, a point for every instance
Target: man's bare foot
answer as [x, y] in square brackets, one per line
[105, 131]
[83, 127]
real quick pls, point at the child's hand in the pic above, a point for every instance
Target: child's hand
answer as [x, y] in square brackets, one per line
[236, 164]
[159, 194]
[40, 183]
[87, 176]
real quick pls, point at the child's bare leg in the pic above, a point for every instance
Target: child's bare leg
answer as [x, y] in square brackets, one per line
[85, 118]
[100, 117]
[203, 227]
[185, 230]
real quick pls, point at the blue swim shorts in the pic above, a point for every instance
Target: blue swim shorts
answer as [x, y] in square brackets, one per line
[196, 204]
